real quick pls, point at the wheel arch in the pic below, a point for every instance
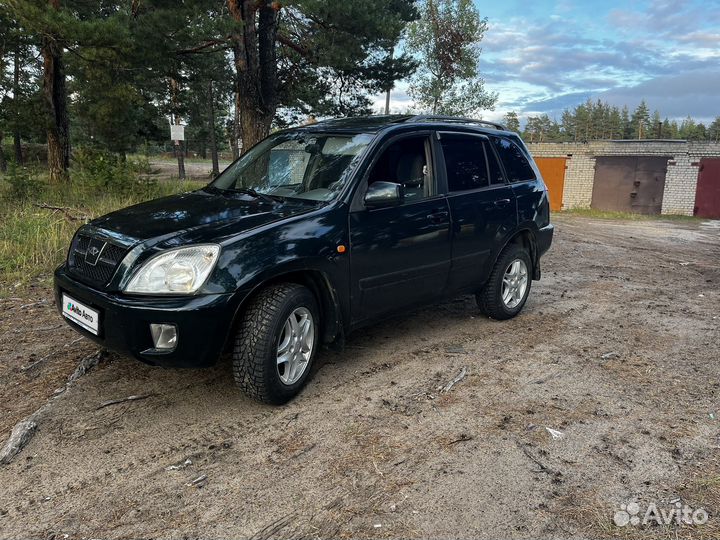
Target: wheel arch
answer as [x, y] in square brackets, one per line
[526, 238]
[331, 320]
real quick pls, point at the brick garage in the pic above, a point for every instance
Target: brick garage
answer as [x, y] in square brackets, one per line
[682, 168]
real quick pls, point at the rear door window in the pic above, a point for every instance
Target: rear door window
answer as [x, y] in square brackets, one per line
[465, 162]
[516, 164]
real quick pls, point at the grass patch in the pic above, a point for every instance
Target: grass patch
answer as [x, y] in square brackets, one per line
[603, 214]
[35, 239]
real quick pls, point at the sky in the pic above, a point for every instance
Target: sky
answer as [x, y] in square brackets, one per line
[543, 56]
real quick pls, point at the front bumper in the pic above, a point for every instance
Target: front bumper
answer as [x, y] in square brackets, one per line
[203, 322]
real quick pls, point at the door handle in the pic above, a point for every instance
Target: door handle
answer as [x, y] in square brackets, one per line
[502, 202]
[437, 217]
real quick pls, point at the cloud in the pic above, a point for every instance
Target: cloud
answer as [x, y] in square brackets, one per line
[693, 93]
[557, 54]
[623, 55]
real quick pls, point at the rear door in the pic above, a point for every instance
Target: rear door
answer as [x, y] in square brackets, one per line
[530, 193]
[481, 203]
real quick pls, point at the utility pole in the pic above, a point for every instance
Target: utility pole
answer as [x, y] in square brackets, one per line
[179, 153]
[213, 141]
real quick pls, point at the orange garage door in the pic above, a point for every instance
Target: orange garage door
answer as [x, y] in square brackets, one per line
[553, 172]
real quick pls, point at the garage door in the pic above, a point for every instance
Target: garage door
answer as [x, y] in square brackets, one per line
[629, 184]
[553, 172]
[707, 196]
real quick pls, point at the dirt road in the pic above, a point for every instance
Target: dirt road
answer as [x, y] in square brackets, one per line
[617, 350]
[197, 170]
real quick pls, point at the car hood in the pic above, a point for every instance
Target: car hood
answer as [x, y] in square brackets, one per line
[198, 211]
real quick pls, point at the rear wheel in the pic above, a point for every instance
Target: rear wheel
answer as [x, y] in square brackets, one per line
[508, 287]
[276, 343]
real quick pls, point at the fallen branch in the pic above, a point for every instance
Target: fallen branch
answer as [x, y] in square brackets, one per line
[463, 438]
[28, 367]
[459, 377]
[20, 436]
[544, 468]
[25, 429]
[33, 304]
[85, 365]
[64, 209]
[123, 400]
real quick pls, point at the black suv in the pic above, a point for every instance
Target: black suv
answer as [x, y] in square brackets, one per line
[312, 233]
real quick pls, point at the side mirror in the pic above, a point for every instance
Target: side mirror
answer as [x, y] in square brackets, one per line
[382, 194]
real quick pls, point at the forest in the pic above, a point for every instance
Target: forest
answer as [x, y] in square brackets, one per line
[594, 120]
[84, 83]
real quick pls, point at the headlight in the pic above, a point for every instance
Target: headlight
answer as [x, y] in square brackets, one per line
[175, 271]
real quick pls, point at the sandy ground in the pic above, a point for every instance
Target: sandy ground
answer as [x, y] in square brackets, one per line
[617, 349]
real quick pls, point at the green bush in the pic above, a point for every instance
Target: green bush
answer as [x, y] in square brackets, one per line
[98, 171]
[24, 183]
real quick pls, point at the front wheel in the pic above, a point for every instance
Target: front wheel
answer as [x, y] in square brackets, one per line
[508, 287]
[276, 343]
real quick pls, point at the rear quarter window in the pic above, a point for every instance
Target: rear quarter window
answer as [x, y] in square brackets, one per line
[516, 164]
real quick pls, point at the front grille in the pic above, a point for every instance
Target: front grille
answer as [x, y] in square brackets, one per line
[80, 265]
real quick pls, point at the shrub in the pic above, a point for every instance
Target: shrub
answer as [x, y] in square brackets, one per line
[98, 171]
[24, 183]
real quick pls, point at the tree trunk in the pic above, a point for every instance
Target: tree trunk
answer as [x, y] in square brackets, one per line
[235, 130]
[3, 164]
[254, 54]
[179, 153]
[213, 141]
[17, 145]
[58, 128]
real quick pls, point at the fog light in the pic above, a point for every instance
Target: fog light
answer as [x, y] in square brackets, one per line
[164, 336]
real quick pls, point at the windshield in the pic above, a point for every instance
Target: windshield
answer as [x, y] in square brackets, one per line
[312, 166]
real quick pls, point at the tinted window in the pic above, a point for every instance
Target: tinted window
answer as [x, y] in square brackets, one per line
[513, 159]
[465, 162]
[496, 175]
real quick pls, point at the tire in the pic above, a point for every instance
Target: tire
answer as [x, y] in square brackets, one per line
[490, 299]
[257, 369]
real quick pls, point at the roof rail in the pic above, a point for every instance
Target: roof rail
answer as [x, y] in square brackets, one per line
[456, 119]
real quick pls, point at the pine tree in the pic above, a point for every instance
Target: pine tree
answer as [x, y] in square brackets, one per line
[319, 56]
[626, 125]
[616, 126]
[640, 121]
[713, 131]
[655, 131]
[512, 122]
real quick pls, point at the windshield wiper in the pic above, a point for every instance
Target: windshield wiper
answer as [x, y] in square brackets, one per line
[254, 193]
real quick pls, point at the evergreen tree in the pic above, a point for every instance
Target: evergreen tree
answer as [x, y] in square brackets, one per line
[512, 122]
[583, 122]
[318, 56]
[713, 131]
[655, 131]
[568, 126]
[640, 121]
[615, 124]
[625, 123]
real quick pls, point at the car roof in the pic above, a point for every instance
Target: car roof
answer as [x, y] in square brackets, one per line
[377, 123]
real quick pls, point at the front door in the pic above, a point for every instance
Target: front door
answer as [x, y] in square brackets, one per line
[400, 255]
